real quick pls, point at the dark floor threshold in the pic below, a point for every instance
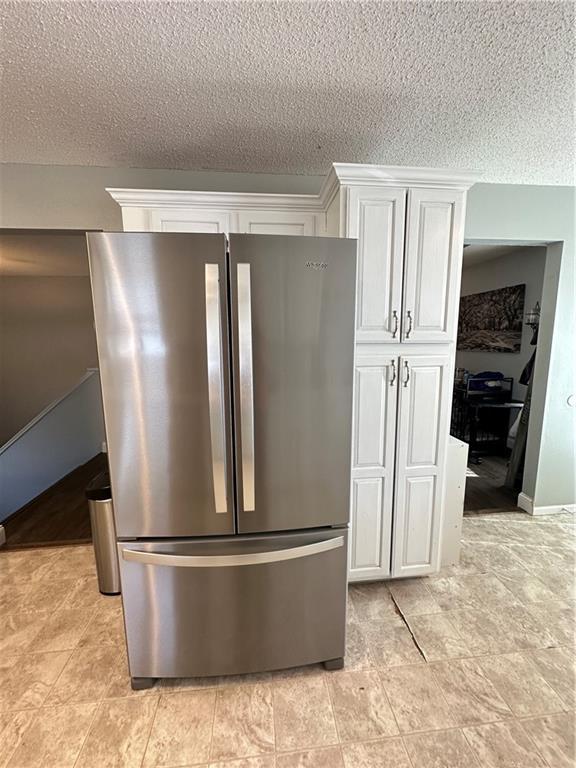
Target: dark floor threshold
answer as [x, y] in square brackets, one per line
[58, 516]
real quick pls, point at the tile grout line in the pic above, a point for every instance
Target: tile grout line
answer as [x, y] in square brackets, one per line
[88, 730]
[389, 702]
[324, 679]
[332, 710]
[213, 723]
[153, 720]
[64, 666]
[410, 761]
[545, 763]
[273, 718]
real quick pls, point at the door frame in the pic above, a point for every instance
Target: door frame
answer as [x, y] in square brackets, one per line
[554, 260]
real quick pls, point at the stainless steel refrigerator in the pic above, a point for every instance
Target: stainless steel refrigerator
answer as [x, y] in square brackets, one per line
[227, 376]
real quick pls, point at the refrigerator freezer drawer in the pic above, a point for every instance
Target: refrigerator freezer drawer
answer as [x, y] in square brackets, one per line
[234, 605]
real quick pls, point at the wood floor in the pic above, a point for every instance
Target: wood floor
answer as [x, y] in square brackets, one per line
[486, 492]
[57, 516]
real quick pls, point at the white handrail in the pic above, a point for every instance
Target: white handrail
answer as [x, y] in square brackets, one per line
[89, 373]
[66, 434]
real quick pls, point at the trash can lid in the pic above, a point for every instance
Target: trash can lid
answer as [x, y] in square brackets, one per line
[98, 489]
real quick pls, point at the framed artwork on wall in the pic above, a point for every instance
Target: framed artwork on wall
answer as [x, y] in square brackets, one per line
[491, 321]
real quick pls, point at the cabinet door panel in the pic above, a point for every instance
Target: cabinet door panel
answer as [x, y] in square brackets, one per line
[418, 522]
[366, 554]
[433, 263]
[423, 422]
[181, 220]
[278, 223]
[423, 415]
[375, 396]
[376, 218]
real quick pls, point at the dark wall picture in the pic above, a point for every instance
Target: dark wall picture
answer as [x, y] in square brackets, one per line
[492, 321]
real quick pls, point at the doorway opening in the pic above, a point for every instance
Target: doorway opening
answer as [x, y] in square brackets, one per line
[51, 424]
[500, 300]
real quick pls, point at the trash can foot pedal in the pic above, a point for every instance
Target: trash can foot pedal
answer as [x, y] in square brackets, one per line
[141, 683]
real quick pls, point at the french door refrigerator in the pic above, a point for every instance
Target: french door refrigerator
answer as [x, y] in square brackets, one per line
[227, 374]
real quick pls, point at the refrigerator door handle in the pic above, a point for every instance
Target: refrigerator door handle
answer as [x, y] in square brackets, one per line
[246, 384]
[216, 385]
[227, 561]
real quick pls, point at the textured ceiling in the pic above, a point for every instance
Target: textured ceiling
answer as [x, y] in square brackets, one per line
[292, 86]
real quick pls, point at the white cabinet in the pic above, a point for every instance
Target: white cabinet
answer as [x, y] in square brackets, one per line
[182, 220]
[376, 217]
[265, 222]
[422, 434]
[175, 211]
[408, 287]
[432, 265]
[372, 466]
[401, 410]
[409, 223]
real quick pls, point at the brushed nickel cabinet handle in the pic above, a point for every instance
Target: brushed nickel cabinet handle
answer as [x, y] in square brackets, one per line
[395, 318]
[215, 385]
[407, 369]
[393, 379]
[409, 318]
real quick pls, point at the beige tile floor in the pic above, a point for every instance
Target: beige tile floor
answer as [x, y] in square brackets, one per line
[471, 668]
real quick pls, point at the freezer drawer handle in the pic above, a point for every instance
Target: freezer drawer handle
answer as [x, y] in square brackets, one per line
[227, 561]
[215, 385]
[246, 385]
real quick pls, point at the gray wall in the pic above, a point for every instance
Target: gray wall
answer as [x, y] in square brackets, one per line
[526, 266]
[75, 197]
[51, 196]
[504, 212]
[46, 344]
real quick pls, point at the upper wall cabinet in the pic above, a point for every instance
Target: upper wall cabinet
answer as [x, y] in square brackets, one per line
[408, 284]
[247, 222]
[149, 210]
[432, 265]
[278, 223]
[181, 220]
[376, 217]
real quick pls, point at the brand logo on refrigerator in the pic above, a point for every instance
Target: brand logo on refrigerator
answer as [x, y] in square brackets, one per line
[316, 265]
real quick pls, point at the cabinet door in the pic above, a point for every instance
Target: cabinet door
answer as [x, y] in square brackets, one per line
[423, 420]
[278, 223]
[376, 218]
[182, 220]
[433, 263]
[375, 396]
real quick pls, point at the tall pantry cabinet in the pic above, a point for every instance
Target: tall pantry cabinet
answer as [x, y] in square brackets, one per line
[409, 223]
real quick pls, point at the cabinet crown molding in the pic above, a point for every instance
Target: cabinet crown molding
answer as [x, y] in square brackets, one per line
[396, 176]
[173, 198]
[340, 174]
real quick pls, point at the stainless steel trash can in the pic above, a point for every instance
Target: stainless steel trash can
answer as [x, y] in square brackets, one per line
[99, 497]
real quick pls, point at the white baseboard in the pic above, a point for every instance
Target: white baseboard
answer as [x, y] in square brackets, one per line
[527, 504]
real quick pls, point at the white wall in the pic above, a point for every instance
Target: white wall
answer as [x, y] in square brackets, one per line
[56, 196]
[516, 268]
